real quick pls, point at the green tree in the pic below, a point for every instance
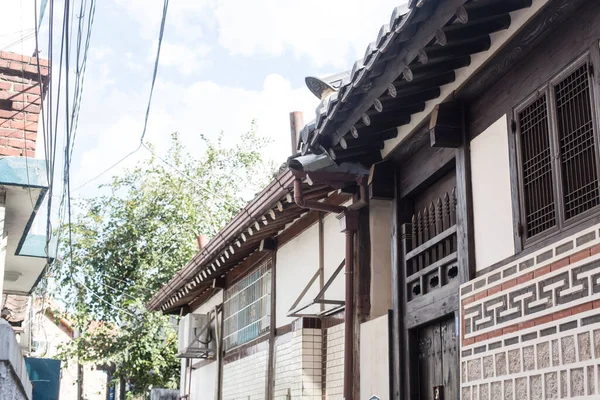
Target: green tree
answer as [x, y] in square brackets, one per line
[128, 242]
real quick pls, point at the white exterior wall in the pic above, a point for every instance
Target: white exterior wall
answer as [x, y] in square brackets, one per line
[204, 382]
[204, 375]
[297, 261]
[334, 362]
[298, 366]
[380, 221]
[288, 367]
[335, 252]
[245, 379]
[374, 359]
[492, 207]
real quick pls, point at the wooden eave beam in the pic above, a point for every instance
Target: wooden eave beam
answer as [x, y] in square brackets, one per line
[456, 49]
[422, 85]
[457, 32]
[484, 9]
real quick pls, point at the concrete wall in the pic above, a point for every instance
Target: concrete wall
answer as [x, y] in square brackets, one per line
[380, 221]
[531, 328]
[492, 207]
[14, 381]
[246, 378]
[333, 362]
[374, 359]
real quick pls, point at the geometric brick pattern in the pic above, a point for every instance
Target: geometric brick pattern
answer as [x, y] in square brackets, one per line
[560, 281]
[531, 328]
[546, 362]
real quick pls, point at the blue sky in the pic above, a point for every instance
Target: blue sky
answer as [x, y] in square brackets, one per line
[223, 63]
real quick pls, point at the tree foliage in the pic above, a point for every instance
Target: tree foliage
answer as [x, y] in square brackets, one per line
[128, 242]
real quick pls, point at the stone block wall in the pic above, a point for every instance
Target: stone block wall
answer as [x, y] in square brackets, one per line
[531, 328]
[333, 362]
[246, 377]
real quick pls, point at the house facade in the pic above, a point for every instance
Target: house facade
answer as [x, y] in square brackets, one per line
[476, 225]
[23, 186]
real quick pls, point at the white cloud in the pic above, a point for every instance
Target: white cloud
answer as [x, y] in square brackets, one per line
[326, 32]
[185, 59]
[203, 107]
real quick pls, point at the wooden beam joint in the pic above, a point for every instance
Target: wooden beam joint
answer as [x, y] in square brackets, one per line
[446, 125]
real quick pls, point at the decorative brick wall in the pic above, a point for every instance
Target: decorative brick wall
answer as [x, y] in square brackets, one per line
[531, 329]
[298, 365]
[333, 362]
[20, 102]
[245, 379]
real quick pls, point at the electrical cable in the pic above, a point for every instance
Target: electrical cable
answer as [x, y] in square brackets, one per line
[156, 62]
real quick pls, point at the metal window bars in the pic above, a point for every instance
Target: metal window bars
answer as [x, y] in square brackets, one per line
[247, 307]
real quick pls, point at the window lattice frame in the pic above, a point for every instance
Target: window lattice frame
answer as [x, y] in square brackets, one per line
[564, 217]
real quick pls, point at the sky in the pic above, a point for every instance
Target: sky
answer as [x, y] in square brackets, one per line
[223, 64]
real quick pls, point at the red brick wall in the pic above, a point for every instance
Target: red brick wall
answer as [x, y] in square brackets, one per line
[20, 102]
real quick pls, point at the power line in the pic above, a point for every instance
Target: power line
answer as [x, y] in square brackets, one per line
[156, 62]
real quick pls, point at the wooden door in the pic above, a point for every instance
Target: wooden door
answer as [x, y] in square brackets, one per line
[438, 360]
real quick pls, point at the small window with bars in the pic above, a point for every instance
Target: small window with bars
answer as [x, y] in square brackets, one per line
[247, 307]
[557, 148]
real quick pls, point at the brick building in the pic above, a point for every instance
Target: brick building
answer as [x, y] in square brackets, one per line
[23, 186]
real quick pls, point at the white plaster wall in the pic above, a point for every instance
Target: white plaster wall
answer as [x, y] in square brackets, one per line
[297, 261]
[492, 207]
[204, 380]
[204, 377]
[380, 221]
[209, 305]
[374, 359]
[335, 252]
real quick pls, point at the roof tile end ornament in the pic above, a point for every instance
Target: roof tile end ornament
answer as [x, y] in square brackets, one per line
[319, 87]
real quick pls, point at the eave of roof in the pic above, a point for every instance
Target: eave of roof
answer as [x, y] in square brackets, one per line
[401, 71]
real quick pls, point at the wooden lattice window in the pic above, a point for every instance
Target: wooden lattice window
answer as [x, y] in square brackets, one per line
[536, 156]
[557, 152]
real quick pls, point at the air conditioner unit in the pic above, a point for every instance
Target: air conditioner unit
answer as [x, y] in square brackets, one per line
[196, 337]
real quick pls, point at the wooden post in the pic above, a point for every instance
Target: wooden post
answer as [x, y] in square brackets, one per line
[464, 208]
[321, 255]
[272, 328]
[402, 210]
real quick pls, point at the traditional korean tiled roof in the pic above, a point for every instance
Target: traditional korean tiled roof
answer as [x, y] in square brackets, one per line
[398, 74]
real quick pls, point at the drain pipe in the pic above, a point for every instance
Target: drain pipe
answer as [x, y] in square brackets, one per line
[348, 225]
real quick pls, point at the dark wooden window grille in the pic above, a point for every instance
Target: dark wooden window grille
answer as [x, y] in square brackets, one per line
[429, 244]
[538, 192]
[577, 143]
[558, 153]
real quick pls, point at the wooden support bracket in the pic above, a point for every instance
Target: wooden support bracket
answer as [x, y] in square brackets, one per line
[445, 126]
